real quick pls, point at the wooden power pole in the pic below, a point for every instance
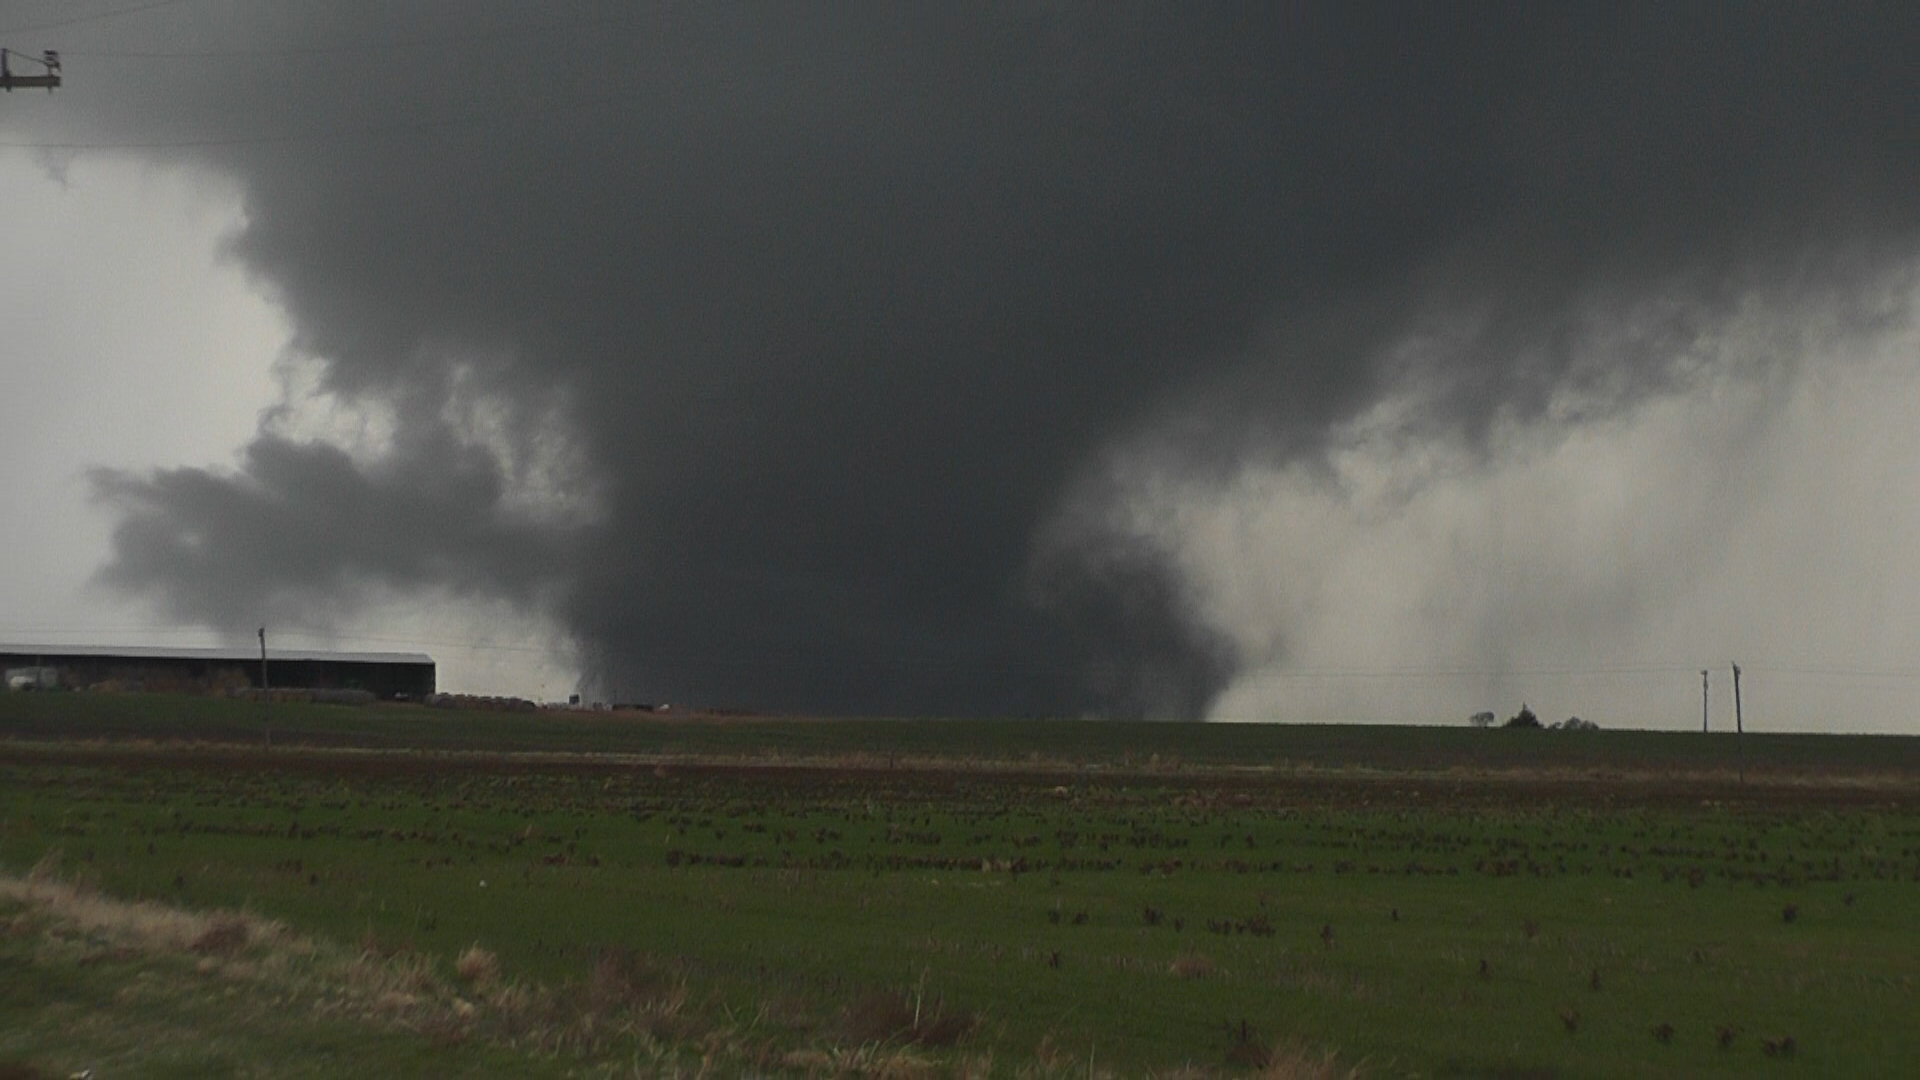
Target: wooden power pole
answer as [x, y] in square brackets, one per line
[1739, 727]
[1703, 701]
[49, 62]
[266, 702]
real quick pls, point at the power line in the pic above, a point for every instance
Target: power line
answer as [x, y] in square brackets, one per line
[99, 16]
[652, 84]
[1634, 669]
[375, 130]
[1464, 672]
[349, 48]
[293, 631]
[353, 131]
[1835, 672]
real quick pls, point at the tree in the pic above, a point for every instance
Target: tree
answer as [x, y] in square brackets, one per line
[1524, 718]
[1481, 719]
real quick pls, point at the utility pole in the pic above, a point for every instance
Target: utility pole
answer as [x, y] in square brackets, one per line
[1739, 728]
[49, 61]
[1703, 701]
[266, 703]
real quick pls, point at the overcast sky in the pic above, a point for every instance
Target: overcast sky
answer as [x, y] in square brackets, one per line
[1342, 362]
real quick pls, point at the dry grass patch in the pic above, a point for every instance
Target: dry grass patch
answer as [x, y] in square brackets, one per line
[894, 1018]
[142, 926]
[1283, 1060]
[477, 967]
[1191, 965]
[871, 1060]
[623, 998]
[1294, 1062]
[225, 935]
[237, 947]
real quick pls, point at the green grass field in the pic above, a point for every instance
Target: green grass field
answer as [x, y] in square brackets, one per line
[890, 897]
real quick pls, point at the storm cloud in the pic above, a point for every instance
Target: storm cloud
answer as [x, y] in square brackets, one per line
[801, 358]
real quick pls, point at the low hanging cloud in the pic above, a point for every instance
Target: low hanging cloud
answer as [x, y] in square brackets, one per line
[783, 358]
[300, 528]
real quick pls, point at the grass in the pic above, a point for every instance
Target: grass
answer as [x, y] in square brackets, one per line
[118, 988]
[1009, 900]
[1131, 745]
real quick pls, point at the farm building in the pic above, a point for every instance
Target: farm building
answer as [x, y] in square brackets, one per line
[133, 667]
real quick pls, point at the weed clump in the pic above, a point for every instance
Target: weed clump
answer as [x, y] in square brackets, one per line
[1302, 1063]
[225, 935]
[477, 966]
[1246, 1048]
[1283, 1061]
[623, 996]
[893, 1017]
[634, 993]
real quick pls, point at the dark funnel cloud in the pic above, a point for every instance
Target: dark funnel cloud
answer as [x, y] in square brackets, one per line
[778, 351]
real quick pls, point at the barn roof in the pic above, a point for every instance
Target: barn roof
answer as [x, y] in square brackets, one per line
[157, 652]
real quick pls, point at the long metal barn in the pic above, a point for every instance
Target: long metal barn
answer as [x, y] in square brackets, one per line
[146, 668]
